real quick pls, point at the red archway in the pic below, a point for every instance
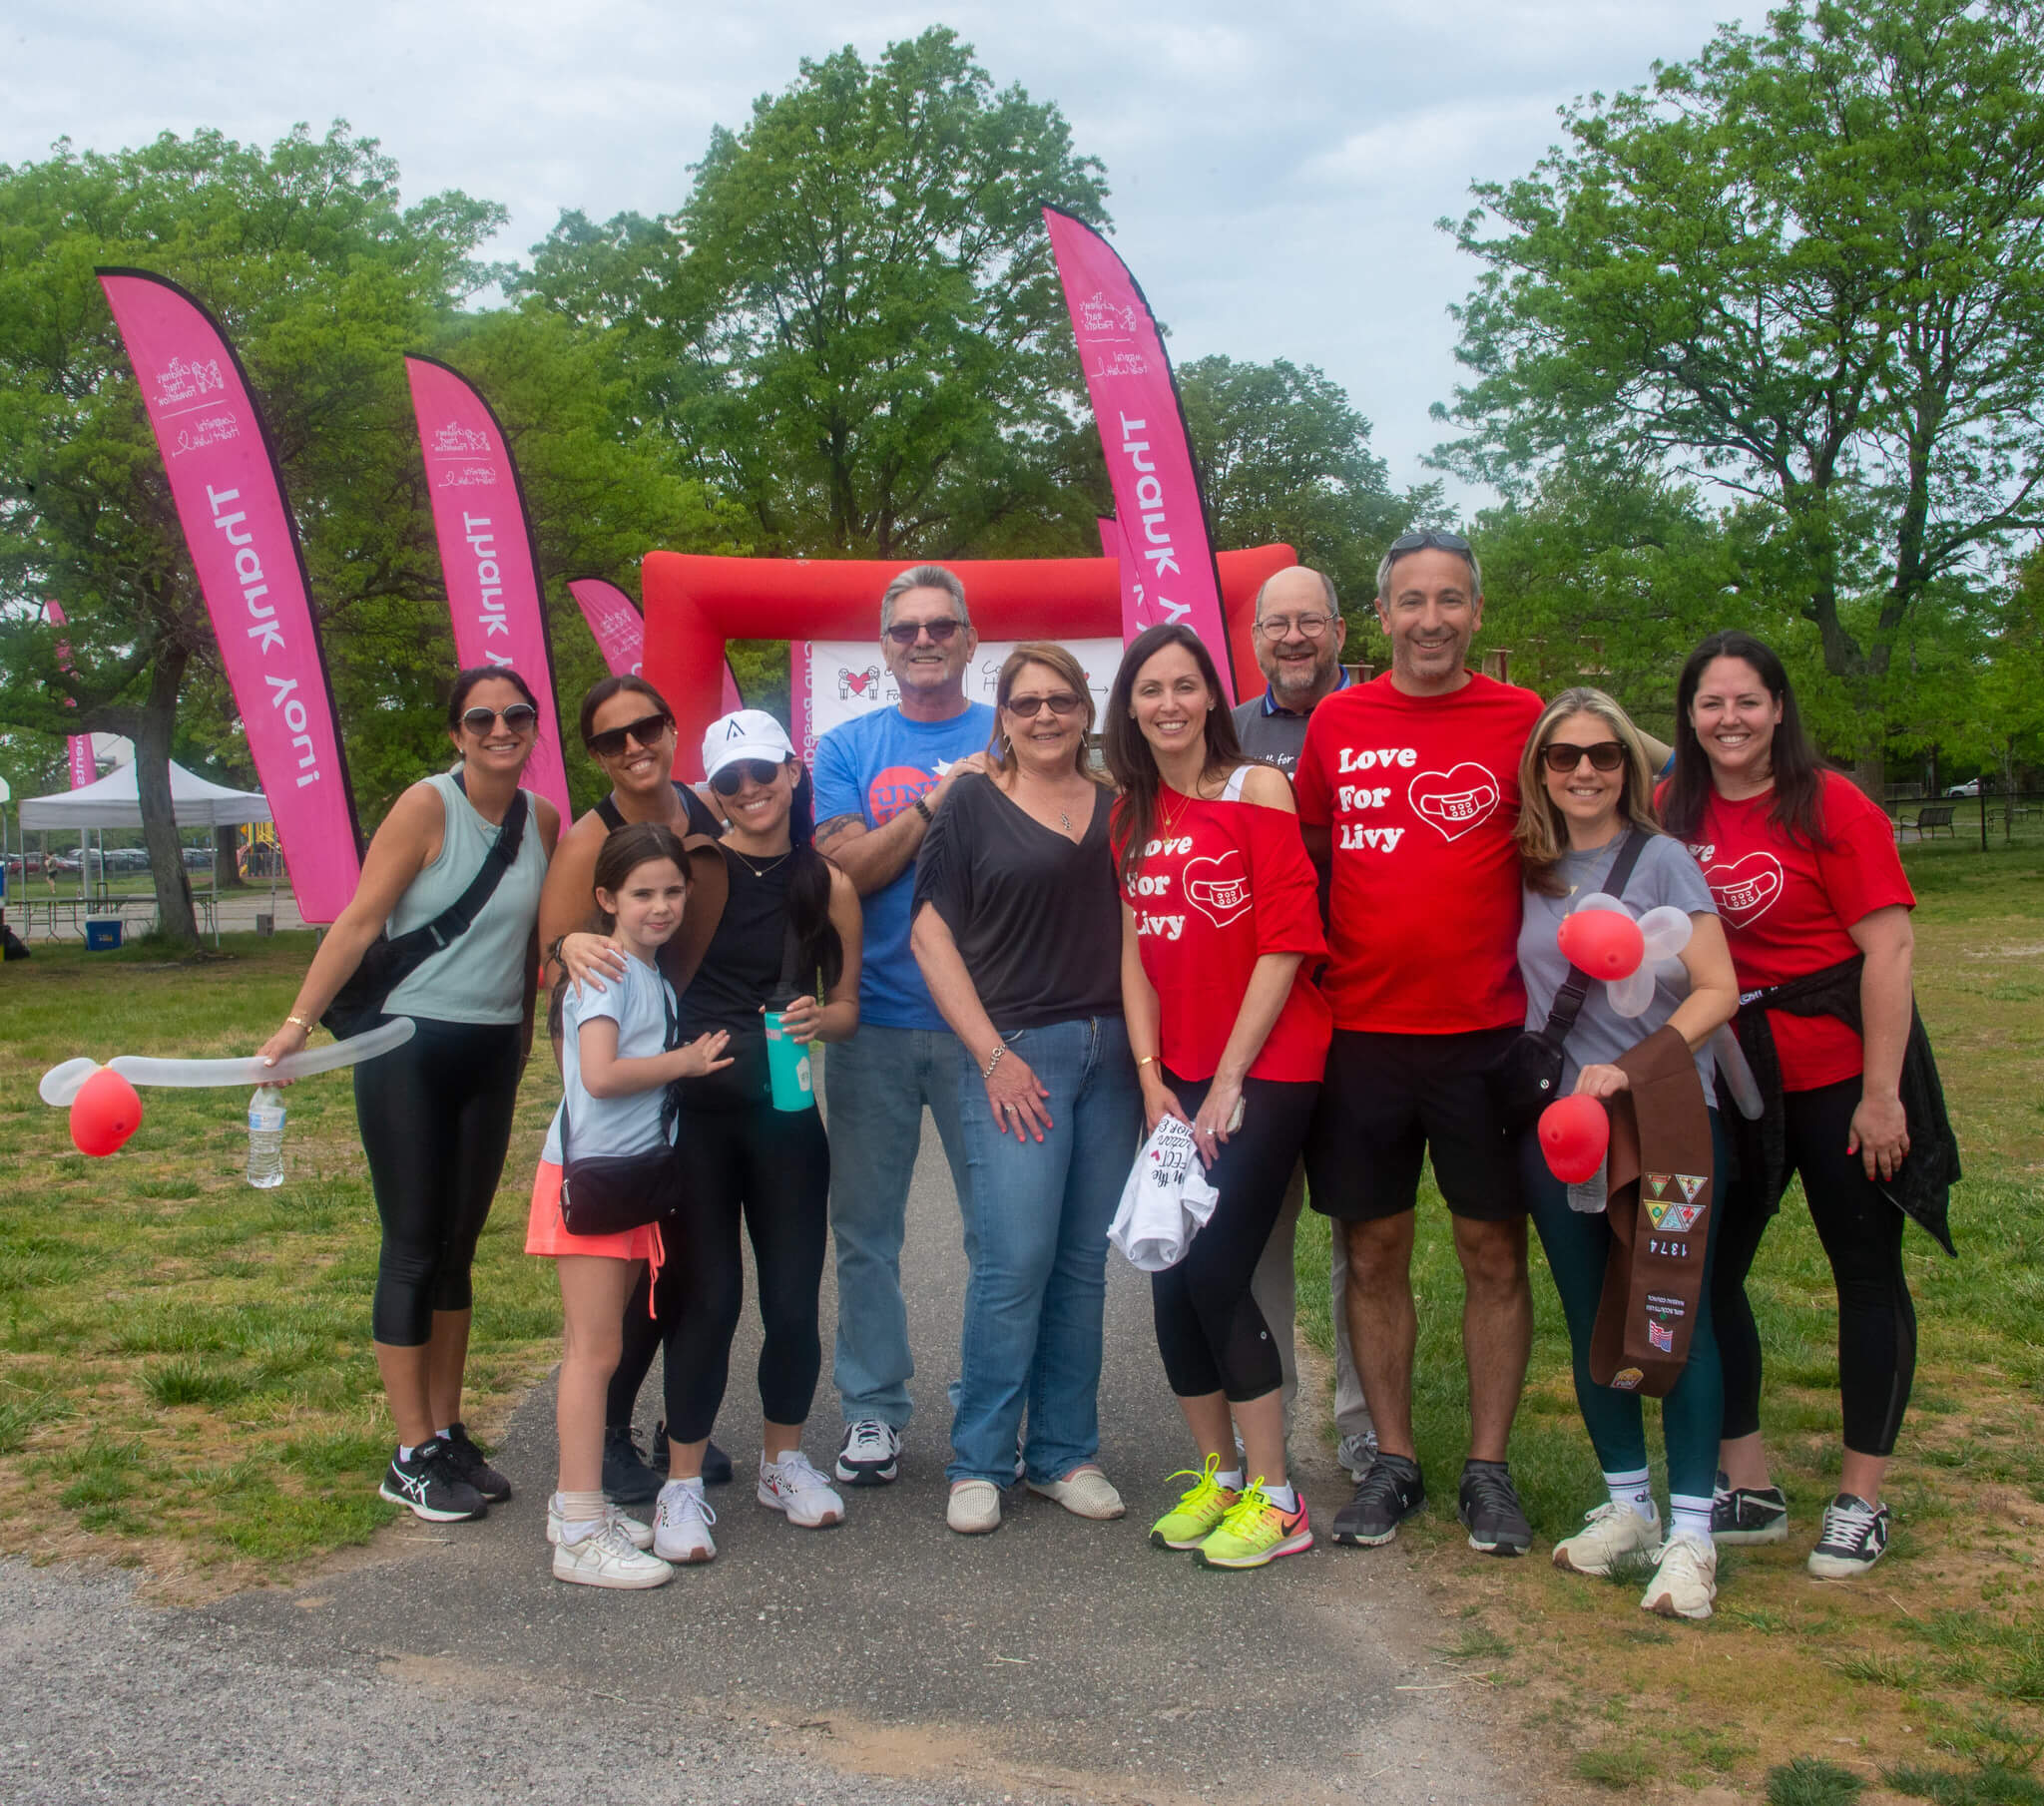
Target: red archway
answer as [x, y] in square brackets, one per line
[695, 604]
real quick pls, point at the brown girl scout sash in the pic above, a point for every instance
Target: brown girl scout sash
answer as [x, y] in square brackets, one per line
[1659, 1208]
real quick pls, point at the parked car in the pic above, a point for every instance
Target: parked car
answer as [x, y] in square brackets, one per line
[199, 858]
[1971, 787]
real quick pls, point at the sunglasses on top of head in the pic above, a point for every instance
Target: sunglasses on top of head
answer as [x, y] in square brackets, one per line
[1428, 539]
[1562, 759]
[731, 779]
[647, 729]
[520, 717]
[905, 633]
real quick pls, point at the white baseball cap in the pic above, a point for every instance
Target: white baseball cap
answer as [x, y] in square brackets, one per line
[744, 734]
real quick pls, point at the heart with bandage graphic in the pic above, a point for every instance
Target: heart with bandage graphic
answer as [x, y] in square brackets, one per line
[1746, 888]
[1218, 887]
[1454, 801]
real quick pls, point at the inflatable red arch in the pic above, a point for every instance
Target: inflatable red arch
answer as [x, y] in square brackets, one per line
[695, 604]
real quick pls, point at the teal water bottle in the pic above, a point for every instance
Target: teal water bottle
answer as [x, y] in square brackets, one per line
[787, 1063]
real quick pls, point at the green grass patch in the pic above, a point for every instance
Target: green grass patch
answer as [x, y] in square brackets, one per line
[1806, 1781]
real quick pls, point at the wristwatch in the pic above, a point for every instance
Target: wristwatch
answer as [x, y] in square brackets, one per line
[924, 809]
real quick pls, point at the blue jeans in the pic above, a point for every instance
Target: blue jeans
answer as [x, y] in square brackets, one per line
[1035, 1217]
[876, 1085]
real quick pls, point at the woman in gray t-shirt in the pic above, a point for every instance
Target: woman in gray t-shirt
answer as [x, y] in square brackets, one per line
[1587, 788]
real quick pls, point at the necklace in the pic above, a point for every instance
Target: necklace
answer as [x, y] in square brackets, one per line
[758, 871]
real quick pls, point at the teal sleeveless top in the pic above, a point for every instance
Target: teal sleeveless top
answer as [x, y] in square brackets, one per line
[480, 976]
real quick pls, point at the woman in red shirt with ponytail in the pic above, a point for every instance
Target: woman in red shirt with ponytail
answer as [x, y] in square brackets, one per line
[1219, 931]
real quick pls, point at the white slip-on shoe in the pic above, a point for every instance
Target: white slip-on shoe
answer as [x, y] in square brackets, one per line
[974, 1507]
[641, 1533]
[608, 1557]
[1085, 1493]
[1611, 1535]
[1685, 1579]
[792, 1484]
[681, 1522]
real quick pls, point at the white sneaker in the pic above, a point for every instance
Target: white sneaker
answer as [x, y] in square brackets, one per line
[1085, 1493]
[641, 1533]
[1610, 1534]
[975, 1507]
[608, 1557]
[681, 1522]
[869, 1453]
[1685, 1579]
[792, 1485]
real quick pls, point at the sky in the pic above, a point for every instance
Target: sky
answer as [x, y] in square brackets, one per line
[1275, 170]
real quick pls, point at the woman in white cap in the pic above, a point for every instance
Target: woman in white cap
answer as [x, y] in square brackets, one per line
[789, 929]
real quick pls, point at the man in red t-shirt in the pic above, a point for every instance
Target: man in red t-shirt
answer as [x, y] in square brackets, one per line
[1408, 794]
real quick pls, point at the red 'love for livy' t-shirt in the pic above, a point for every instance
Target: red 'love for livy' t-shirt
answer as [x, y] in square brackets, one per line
[1222, 883]
[1420, 794]
[1787, 909]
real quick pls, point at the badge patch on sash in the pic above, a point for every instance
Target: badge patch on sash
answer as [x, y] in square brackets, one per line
[1675, 1219]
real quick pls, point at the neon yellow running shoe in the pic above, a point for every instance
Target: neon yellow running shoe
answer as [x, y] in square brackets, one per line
[1255, 1532]
[1189, 1521]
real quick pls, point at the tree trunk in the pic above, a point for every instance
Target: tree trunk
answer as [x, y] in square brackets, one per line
[227, 844]
[175, 921]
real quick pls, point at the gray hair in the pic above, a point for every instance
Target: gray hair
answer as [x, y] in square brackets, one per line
[1326, 586]
[1468, 557]
[923, 576]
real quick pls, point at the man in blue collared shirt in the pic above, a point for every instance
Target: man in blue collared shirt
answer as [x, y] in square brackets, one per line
[1299, 632]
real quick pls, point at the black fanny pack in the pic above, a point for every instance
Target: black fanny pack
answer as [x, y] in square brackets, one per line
[1526, 1078]
[358, 1005]
[608, 1193]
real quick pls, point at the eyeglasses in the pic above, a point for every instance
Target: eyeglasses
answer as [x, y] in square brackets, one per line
[903, 632]
[1561, 758]
[731, 779]
[1061, 703]
[1279, 626]
[520, 717]
[647, 730]
[1428, 539]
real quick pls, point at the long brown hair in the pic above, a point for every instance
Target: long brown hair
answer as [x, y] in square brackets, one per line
[1799, 774]
[1053, 658]
[1130, 761]
[1542, 834]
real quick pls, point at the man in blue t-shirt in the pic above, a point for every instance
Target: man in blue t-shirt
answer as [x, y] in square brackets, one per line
[880, 780]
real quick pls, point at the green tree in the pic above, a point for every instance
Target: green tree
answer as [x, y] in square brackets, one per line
[1807, 266]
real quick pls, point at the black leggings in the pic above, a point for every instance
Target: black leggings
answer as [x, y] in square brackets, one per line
[774, 1166]
[1862, 1232]
[435, 1117]
[1209, 1329]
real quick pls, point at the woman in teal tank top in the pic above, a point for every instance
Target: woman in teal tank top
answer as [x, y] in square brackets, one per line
[435, 1113]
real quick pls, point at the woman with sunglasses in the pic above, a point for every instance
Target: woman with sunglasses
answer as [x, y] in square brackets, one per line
[1806, 875]
[1586, 785]
[787, 929]
[1017, 929]
[630, 733]
[435, 1113]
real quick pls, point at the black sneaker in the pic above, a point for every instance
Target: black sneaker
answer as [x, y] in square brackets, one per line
[717, 1468]
[468, 1463]
[1490, 1510]
[1389, 1493]
[1855, 1536]
[1746, 1514]
[627, 1480]
[428, 1485]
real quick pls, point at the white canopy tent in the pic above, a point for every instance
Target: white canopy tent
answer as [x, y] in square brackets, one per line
[196, 802]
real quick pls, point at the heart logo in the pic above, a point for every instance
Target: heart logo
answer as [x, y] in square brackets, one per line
[1218, 888]
[1454, 801]
[1746, 888]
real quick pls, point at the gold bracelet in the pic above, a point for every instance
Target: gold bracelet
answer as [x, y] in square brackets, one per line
[298, 1022]
[1147, 1060]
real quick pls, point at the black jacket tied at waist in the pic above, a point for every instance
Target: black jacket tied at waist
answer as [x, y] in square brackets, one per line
[1921, 1187]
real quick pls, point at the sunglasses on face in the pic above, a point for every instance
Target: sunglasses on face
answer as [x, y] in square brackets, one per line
[903, 632]
[520, 717]
[1062, 704]
[1561, 758]
[1428, 539]
[647, 730]
[731, 779]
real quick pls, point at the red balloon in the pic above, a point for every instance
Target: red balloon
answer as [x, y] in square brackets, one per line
[1606, 943]
[105, 1114]
[1574, 1133]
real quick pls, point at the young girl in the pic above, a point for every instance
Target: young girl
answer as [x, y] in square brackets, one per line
[619, 1062]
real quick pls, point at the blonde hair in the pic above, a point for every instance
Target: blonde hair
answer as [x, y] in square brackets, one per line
[1542, 834]
[1052, 658]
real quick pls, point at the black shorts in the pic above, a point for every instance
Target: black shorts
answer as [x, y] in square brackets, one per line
[1391, 1100]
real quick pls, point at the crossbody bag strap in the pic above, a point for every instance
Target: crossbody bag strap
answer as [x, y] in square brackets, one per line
[1568, 1000]
[456, 919]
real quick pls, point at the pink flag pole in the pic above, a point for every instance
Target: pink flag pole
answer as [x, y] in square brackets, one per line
[1157, 498]
[1136, 610]
[486, 551]
[620, 631]
[229, 499]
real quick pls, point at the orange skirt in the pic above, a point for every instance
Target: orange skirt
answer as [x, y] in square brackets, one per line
[547, 1235]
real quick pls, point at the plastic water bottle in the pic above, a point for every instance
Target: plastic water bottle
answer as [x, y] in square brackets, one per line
[266, 1137]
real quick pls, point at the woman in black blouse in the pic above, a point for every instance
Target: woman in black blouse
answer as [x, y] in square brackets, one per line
[1017, 929]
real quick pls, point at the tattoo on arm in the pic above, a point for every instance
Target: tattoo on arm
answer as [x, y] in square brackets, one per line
[828, 831]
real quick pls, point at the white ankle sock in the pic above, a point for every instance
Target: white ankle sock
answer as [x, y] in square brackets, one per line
[1284, 1498]
[1689, 1516]
[1631, 1493]
[580, 1514]
[1232, 1480]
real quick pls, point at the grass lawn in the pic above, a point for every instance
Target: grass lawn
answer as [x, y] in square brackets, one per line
[1927, 1677]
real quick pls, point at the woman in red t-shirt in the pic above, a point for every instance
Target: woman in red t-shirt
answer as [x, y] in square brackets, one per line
[1220, 923]
[1806, 877]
